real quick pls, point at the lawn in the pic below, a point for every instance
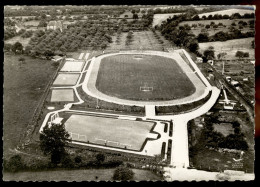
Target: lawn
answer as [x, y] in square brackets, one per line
[230, 47]
[228, 12]
[123, 76]
[73, 65]
[23, 88]
[116, 133]
[76, 175]
[59, 95]
[224, 128]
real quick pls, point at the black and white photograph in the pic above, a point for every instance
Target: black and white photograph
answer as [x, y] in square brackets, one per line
[128, 93]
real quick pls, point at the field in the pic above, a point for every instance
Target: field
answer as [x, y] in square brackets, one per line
[23, 88]
[124, 76]
[212, 31]
[117, 133]
[228, 12]
[230, 47]
[159, 18]
[76, 175]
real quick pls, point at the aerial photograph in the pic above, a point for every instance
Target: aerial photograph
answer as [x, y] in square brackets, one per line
[128, 93]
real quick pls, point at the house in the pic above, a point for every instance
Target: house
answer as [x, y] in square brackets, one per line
[56, 58]
[199, 60]
[234, 83]
[54, 25]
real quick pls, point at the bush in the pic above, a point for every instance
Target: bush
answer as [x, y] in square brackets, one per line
[78, 159]
[100, 157]
[67, 162]
[123, 174]
[15, 163]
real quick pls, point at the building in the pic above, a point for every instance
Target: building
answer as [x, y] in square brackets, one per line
[54, 25]
[199, 60]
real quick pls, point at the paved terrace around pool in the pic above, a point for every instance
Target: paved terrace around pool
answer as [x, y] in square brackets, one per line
[89, 84]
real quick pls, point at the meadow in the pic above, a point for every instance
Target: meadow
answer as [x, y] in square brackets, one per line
[230, 47]
[23, 88]
[159, 18]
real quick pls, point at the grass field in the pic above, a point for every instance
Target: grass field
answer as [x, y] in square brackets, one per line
[23, 88]
[228, 12]
[120, 133]
[76, 175]
[159, 18]
[123, 76]
[230, 47]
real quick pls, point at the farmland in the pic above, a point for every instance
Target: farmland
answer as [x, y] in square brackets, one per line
[122, 76]
[228, 12]
[230, 47]
[23, 41]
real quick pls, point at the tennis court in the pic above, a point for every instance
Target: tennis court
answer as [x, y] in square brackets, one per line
[66, 79]
[74, 66]
[59, 95]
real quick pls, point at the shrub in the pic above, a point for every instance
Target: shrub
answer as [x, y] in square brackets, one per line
[15, 163]
[123, 174]
[78, 159]
[100, 157]
[67, 162]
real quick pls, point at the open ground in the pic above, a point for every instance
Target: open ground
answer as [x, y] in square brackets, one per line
[108, 131]
[228, 12]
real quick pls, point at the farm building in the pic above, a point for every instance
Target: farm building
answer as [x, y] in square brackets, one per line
[234, 83]
[199, 60]
[54, 25]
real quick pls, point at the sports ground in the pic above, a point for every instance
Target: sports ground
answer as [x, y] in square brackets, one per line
[109, 131]
[147, 78]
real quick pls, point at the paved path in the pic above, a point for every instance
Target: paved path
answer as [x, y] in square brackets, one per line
[149, 111]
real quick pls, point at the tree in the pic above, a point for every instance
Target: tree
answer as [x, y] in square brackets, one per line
[209, 53]
[123, 174]
[221, 55]
[17, 47]
[7, 47]
[239, 54]
[253, 44]
[135, 16]
[100, 157]
[203, 37]
[53, 140]
[15, 163]
[207, 26]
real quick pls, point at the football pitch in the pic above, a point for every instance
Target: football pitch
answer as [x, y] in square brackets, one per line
[143, 78]
[109, 131]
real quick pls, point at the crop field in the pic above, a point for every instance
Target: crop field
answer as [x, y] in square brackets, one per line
[230, 47]
[213, 31]
[23, 89]
[112, 132]
[159, 18]
[228, 12]
[124, 76]
[34, 23]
